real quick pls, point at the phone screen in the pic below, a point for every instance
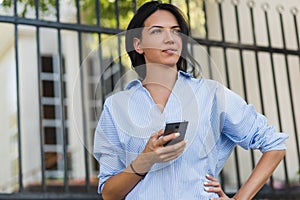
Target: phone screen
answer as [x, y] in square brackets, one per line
[173, 128]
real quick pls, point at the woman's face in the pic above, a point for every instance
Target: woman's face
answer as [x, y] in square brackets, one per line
[161, 41]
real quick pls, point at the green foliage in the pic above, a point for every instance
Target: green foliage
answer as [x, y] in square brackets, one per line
[7, 3]
[107, 12]
[45, 5]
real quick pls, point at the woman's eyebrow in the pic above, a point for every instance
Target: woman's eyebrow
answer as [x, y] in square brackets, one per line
[151, 27]
[156, 26]
[175, 27]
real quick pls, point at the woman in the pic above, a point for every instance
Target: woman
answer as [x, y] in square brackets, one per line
[129, 141]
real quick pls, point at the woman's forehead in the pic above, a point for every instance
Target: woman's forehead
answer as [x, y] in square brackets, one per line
[161, 18]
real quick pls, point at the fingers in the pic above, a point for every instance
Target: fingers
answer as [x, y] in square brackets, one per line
[213, 189]
[159, 153]
[157, 135]
[214, 186]
[211, 178]
[159, 140]
[163, 139]
[175, 147]
[173, 151]
[213, 182]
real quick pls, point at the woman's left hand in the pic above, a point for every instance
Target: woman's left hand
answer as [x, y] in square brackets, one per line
[214, 186]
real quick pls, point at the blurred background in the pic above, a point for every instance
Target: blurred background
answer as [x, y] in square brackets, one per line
[60, 59]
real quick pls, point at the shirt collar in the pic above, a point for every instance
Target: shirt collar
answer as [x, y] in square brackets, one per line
[137, 82]
[185, 74]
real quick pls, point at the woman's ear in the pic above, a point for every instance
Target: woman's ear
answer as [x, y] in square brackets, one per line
[137, 45]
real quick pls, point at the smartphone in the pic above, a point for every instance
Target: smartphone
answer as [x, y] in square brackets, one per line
[173, 128]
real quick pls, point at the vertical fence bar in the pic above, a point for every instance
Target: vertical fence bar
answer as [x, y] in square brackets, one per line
[18, 98]
[210, 74]
[236, 12]
[62, 103]
[117, 15]
[41, 111]
[98, 21]
[265, 8]
[134, 6]
[100, 55]
[228, 85]
[280, 10]
[294, 13]
[84, 126]
[98, 14]
[223, 40]
[121, 71]
[251, 5]
[257, 64]
[187, 2]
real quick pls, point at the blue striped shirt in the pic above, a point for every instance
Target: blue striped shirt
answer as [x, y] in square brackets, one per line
[218, 120]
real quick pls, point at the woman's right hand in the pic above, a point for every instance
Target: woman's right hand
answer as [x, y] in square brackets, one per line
[117, 186]
[156, 152]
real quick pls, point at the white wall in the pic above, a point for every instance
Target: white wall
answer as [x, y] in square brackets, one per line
[29, 104]
[8, 118]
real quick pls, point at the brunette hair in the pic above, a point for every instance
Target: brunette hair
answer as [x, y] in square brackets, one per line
[134, 30]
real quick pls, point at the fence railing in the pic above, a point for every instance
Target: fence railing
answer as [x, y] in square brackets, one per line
[240, 37]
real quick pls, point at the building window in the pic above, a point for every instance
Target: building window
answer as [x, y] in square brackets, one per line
[52, 109]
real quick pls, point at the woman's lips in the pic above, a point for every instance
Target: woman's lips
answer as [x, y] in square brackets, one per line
[169, 51]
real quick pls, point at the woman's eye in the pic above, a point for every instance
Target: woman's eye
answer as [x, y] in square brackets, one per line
[176, 31]
[155, 31]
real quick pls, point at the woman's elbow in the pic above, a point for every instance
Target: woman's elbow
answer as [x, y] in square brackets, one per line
[109, 194]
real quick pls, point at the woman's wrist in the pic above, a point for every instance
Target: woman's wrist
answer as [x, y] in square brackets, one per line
[140, 166]
[137, 173]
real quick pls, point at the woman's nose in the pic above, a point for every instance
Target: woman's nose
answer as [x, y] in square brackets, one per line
[168, 37]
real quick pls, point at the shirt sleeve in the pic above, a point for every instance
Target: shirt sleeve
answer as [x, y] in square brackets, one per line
[248, 128]
[107, 148]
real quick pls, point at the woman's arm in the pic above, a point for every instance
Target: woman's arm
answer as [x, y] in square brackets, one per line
[119, 185]
[262, 172]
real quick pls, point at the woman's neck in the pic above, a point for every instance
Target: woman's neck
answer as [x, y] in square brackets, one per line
[158, 75]
[159, 81]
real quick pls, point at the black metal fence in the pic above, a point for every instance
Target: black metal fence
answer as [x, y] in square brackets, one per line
[257, 76]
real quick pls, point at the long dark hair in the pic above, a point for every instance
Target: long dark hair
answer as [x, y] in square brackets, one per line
[134, 31]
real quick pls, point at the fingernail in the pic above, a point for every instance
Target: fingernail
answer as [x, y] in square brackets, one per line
[207, 175]
[176, 134]
[205, 183]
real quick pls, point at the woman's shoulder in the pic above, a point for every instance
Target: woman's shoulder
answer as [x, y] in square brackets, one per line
[206, 83]
[198, 80]
[120, 95]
